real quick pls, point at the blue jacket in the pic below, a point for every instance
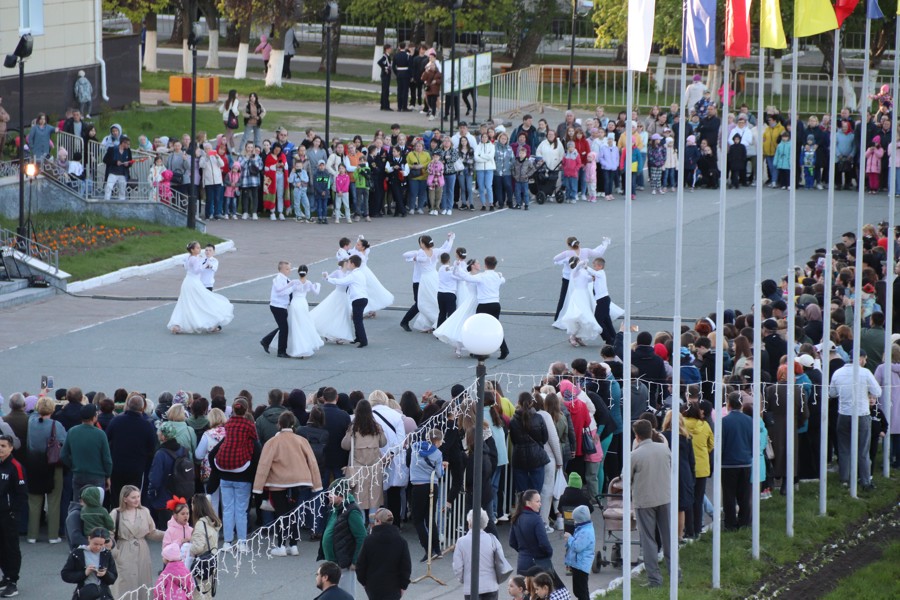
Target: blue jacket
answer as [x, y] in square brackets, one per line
[528, 537]
[737, 439]
[163, 463]
[580, 548]
[425, 459]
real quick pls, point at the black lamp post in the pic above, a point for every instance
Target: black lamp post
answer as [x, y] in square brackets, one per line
[579, 8]
[330, 15]
[193, 41]
[454, 101]
[22, 51]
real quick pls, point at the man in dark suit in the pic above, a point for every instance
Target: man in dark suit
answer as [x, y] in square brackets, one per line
[384, 65]
[401, 70]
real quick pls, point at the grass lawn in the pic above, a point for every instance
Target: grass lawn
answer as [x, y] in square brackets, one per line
[147, 243]
[740, 572]
[298, 92]
[876, 581]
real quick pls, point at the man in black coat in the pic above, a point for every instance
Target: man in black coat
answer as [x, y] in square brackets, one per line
[132, 443]
[775, 346]
[401, 69]
[709, 127]
[336, 422]
[384, 565]
[651, 368]
[384, 66]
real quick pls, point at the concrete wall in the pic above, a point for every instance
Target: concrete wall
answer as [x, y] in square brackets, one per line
[49, 197]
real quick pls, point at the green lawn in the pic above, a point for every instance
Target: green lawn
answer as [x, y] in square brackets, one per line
[876, 581]
[157, 242]
[738, 569]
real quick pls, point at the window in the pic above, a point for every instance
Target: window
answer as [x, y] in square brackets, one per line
[31, 17]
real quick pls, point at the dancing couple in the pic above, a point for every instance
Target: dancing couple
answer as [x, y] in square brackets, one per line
[296, 333]
[199, 309]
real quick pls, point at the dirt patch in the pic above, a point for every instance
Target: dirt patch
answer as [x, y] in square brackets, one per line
[817, 574]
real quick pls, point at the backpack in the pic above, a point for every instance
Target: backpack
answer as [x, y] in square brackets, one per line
[180, 481]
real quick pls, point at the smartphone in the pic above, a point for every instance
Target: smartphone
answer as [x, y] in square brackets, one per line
[44, 380]
[50, 382]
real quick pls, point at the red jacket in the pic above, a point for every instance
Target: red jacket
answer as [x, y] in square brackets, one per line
[583, 147]
[580, 420]
[237, 447]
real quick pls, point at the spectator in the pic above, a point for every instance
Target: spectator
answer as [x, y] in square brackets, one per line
[384, 566]
[426, 460]
[86, 452]
[235, 461]
[84, 93]
[184, 435]
[328, 578]
[344, 534]
[45, 480]
[160, 480]
[543, 587]
[528, 535]
[580, 551]
[132, 442]
[737, 456]
[12, 499]
[70, 414]
[134, 526]
[91, 565]
[651, 465]
[528, 434]
[204, 538]
[210, 439]
[175, 581]
[336, 422]
[490, 554]
[267, 422]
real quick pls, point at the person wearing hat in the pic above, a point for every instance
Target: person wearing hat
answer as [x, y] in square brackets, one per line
[573, 495]
[737, 162]
[86, 452]
[808, 162]
[158, 492]
[175, 580]
[118, 161]
[782, 161]
[874, 154]
[580, 551]
[344, 534]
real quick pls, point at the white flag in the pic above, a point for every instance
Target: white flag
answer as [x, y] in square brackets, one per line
[640, 33]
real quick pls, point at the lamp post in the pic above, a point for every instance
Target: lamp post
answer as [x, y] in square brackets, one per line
[329, 17]
[31, 169]
[193, 41]
[482, 335]
[22, 51]
[580, 8]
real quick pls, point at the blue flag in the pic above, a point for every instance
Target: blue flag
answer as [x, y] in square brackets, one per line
[873, 11]
[699, 32]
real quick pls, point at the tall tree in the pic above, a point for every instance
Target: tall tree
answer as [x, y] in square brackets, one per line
[211, 12]
[138, 12]
[240, 14]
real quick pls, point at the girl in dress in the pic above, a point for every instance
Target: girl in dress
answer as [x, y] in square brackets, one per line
[198, 310]
[573, 248]
[450, 331]
[155, 177]
[577, 316]
[303, 340]
[425, 281]
[379, 296]
[332, 317]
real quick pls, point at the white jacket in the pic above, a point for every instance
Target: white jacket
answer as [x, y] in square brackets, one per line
[552, 156]
[391, 423]
[212, 165]
[334, 161]
[484, 157]
[462, 562]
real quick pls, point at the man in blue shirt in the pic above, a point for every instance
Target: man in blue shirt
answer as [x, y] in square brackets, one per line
[737, 456]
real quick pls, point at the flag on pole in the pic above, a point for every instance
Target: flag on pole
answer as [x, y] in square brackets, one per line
[873, 11]
[812, 17]
[640, 33]
[699, 32]
[737, 28]
[771, 31]
[843, 9]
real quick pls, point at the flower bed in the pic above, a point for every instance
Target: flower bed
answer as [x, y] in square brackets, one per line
[79, 239]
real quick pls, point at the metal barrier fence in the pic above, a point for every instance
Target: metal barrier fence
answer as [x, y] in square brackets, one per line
[72, 144]
[9, 168]
[516, 91]
[10, 239]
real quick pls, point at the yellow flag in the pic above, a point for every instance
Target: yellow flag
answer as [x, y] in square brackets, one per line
[771, 31]
[812, 17]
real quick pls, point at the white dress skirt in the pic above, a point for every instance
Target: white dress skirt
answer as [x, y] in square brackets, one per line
[303, 339]
[199, 310]
[379, 296]
[332, 318]
[450, 331]
[427, 302]
[577, 315]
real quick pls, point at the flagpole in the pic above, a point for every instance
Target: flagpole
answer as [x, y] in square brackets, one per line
[757, 312]
[626, 346]
[824, 399]
[889, 260]
[720, 336]
[858, 267]
[788, 481]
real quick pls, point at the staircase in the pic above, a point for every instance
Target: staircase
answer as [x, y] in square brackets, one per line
[21, 264]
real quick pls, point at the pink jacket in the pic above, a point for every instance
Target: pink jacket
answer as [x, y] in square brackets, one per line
[232, 181]
[174, 583]
[264, 47]
[176, 534]
[435, 174]
[873, 159]
[571, 164]
[590, 171]
[342, 183]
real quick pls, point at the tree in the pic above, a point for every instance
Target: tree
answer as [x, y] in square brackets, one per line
[140, 11]
[240, 14]
[211, 12]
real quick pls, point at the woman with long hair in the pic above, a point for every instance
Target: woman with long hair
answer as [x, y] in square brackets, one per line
[236, 459]
[464, 177]
[204, 538]
[133, 527]
[702, 441]
[231, 112]
[211, 438]
[528, 434]
[686, 466]
[528, 535]
[364, 439]
[198, 310]
[424, 260]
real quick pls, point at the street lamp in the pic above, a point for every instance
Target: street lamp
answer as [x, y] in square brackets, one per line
[31, 169]
[22, 51]
[330, 15]
[581, 8]
[193, 41]
[482, 335]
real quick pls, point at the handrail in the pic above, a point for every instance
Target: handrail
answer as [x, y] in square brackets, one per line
[29, 247]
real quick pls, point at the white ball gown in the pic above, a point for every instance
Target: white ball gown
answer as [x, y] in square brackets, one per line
[303, 340]
[379, 296]
[198, 310]
[450, 331]
[427, 301]
[332, 318]
[577, 315]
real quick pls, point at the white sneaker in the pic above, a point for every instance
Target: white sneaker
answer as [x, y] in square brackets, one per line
[32, 541]
[420, 212]
[278, 551]
[245, 216]
[55, 540]
[293, 551]
[450, 212]
[225, 217]
[243, 546]
[281, 216]
[254, 217]
[560, 524]
[272, 217]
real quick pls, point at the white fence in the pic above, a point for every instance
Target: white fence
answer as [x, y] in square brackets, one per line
[516, 91]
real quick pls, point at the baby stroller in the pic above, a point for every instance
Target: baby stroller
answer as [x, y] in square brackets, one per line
[543, 184]
[613, 533]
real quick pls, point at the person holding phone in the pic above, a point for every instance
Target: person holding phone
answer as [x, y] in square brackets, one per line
[92, 567]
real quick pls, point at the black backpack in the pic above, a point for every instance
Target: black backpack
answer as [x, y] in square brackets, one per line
[180, 481]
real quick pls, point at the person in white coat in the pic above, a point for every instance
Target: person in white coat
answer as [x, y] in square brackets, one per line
[552, 151]
[554, 451]
[484, 171]
[396, 472]
[463, 560]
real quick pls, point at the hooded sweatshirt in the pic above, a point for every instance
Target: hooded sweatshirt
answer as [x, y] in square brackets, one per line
[176, 533]
[425, 459]
[112, 140]
[92, 514]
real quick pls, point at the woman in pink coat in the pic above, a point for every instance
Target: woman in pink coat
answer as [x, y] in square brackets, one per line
[873, 164]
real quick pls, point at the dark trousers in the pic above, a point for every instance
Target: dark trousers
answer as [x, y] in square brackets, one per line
[284, 501]
[359, 307]
[417, 87]
[493, 309]
[470, 97]
[446, 306]
[10, 556]
[580, 585]
[402, 91]
[431, 103]
[414, 309]
[693, 521]
[281, 318]
[562, 297]
[286, 66]
[385, 92]
[420, 502]
[601, 315]
[736, 490]
[376, 196]
[393, 501]
[503, 190]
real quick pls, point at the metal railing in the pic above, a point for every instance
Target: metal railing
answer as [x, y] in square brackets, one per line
[516, 91]
[9, 168]
[29, 247]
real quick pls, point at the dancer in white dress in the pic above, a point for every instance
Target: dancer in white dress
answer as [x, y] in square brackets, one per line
[198, 310]
[379, 297]
[332, 317]
[573, 248]
[577, 316]
[424, 262]
[303, 340]
[450, 331]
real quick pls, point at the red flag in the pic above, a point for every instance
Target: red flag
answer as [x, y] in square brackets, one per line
[843, 9]
[737, 28]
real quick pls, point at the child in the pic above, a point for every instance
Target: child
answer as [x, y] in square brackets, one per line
[424, 459]
[362, 177]
[691, 156]
[76, 172]
[573, 496]
[93, 515]
[808, 160]
[321, 191]
[656, 160]
[299, 182]
[670, 173]
[703, 105]
[571, 164]
[232, 190]
[782, 161]
[342, 194]
[590, 176]
[435, 183]
[737, 161]
[873, 164]
[580, 551]
[210, 267]
[178, 529]
[175, 581]
[523, 169]
[397, 170]
[155, 176]
[609, 163]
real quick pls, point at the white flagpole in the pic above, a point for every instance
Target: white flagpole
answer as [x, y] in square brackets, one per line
[889, 264]
[720, 336]
[626, 350]
[857, 282]
[676, 346]
[824, 399]
[757, 311]
[790, 420]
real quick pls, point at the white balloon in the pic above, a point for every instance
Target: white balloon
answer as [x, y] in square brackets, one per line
[482, 334]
